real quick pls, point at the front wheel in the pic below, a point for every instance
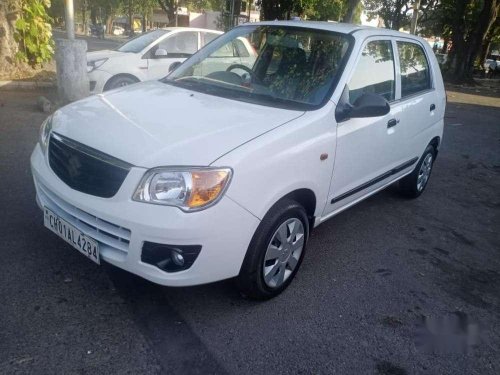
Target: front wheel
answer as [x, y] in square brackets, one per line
[120, 81]
[414, 184]
[275, 252]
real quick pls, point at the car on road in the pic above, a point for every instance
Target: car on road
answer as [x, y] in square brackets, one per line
[118, 30]
[150, 56]
[222, 169]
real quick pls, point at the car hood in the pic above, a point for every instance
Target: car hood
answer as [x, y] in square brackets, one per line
[154, 124]
[104, 54]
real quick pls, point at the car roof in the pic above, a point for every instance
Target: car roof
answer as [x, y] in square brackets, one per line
[344, 28]
[191, 29]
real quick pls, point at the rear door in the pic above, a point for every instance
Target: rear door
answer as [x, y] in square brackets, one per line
[368, 149]
[421, 108]
[179, 47]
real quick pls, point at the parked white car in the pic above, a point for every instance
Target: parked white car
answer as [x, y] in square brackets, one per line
[118, 30]
[214, 173]
[150, 56]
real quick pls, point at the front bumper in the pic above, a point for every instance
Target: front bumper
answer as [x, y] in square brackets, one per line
[121, 226]
[97, 80]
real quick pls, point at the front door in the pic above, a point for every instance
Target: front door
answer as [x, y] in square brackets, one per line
[367, 148]
[178, 47]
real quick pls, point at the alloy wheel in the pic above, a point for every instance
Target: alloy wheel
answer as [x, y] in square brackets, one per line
[424, 172]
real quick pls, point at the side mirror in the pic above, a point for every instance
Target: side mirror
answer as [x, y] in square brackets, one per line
[160, 52]
[174, 66]
[369, 105]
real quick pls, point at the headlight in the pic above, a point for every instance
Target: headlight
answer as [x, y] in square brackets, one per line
[45, 130]
[190, 189]
[92, 65]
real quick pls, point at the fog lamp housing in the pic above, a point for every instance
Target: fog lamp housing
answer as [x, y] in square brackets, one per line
[169, 258]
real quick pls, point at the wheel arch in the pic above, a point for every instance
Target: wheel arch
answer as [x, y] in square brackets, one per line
[306, 198]
[435, 142]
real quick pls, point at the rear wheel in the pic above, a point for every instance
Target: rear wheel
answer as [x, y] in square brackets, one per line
[414, 184]
[120, 81]
[276, 251]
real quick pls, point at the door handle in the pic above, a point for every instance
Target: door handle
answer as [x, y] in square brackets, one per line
[392, 122]
[433, 107]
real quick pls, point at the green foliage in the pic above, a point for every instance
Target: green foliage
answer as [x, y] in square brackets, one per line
[34, 33]
[320, 10]
[199, 5]
[325, 10]
[395, 13]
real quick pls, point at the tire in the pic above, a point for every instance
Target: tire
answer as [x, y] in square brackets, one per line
[120, 81]
[260, 278]
[413, 185]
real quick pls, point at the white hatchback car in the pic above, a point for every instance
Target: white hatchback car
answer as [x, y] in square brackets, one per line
[152, 55]
[212, 174]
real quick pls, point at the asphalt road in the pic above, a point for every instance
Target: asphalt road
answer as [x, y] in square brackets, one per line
[371, 276]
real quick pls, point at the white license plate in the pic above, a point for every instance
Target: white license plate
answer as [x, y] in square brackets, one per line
[80, 241]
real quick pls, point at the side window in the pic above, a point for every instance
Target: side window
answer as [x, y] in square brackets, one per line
[375, 72]
[415, 74]
[227, 50]
[240, 47]
[208, 37]
[183, 44]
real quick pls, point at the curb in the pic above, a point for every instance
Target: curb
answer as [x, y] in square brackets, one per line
[25, 85]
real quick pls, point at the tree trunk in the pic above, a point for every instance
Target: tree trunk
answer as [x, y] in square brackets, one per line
[168, 7]
[93, 15]
[485, 50]
[351, 8]
[396, 18]
[446, 42]
[109, 24]
[464, 52]
[131, 16]
[414, 17]
[8, 46]
[271, 10]
[84, 17]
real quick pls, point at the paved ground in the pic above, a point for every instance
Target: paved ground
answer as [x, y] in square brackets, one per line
[372, 275]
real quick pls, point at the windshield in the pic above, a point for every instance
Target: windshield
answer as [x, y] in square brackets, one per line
[271, 65]
[137, 44]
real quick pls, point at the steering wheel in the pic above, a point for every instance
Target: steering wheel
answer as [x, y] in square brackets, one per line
[253, 76]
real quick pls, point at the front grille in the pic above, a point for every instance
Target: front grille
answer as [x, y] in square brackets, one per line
[113, 240]
[85, 169]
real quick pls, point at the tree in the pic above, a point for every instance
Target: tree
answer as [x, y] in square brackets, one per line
[321, 10]
[145, 8]
[395, 13]
[352, 5]
[34, 33]
[471, 22]
[25, 34]
[200, 5]
[168, 7]
[9, 11]
[491, 39]
[279, 9]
